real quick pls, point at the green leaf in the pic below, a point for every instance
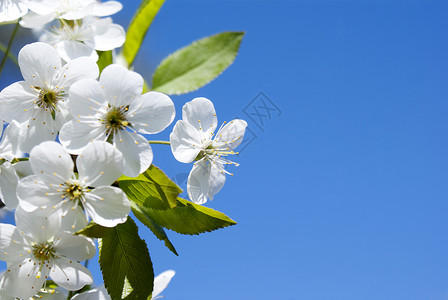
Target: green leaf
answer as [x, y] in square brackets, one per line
[188, 218]
[158, 231]
[152, 189]
[138, 27]
[94, 230]
[196, 65]
[125, 263]
[105, 59]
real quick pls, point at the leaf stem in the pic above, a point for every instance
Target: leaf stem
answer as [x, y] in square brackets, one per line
[159, 142]
[8, 48]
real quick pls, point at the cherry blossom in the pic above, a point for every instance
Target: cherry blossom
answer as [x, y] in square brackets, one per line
[55, 187]
[36, 249]
[39, 103]
[85, 36]
[114, 110]
[11, 10]
[193, 139]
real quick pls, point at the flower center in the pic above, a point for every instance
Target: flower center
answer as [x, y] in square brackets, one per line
[43, 251]
[115, 119]
[74, 191]
[48, 100]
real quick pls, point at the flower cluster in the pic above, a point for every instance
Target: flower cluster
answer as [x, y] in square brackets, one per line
[71, 132]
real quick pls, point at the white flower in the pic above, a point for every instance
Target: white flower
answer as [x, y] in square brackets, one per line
[85, 36]
[192, 140]
[114, 110]
[36, 250]
[161, 282]
[45, 11]
[8, 177]
[56, 188]
[40, 102]
[94, 294]
[11, 10]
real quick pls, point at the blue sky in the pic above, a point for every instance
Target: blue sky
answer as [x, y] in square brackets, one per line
[341, 193]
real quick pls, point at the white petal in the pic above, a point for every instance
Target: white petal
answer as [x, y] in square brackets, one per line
[40, 60]
[43, 7]
[23, 169]
[39, 227]
[87, 97]
[161, 282]
[51, 162]
[100, 163]
[32, 20]
[73, 220]
[69, 50]
[108, 36]
[12, 10]
[121, 85]
[21, 279]
[76, 136]
[8, 185]
[18, 100]
[151, 112]
[136, 152]
[70, 274]
[75, 70]
[74, 247]
[95, 294]
[198, 184]
[40, 128]
[216, 180]
[12, 243]
[33, 193]
[232, 134]
[200, 113]
[185, 142]
[106, 9]
[107, 206]
[9, 144]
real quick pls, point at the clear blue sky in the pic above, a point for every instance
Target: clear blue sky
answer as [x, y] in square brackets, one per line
[342, 193]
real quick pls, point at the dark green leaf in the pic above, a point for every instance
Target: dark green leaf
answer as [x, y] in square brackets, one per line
[196, 65]
[151, 189]
[105, 59]
[125, 263]
[158, 231]
[138, 27]
[188, 218]
[94, 230]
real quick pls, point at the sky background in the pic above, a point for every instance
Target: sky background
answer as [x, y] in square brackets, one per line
[341, 192]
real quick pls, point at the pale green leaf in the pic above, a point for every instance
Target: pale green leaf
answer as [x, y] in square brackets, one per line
[188, 218]
[125, 263]
[105, 59]
[196, 65]
[152, 189]
[138, 27]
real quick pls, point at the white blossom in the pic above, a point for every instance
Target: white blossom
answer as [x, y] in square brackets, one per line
[8, 176]
[11, 10]
[193, 139]
[39, 103]
[55, 187]
[161, 282]
[85, 36]
[114, 110]
[36, 249]
[45, 11]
